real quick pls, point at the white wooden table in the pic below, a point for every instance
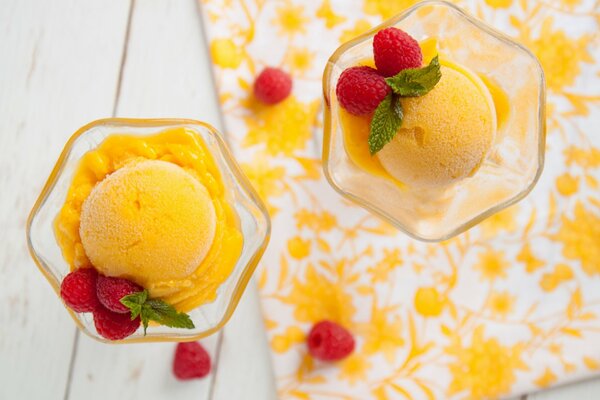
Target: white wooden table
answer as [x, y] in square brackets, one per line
[64, 63]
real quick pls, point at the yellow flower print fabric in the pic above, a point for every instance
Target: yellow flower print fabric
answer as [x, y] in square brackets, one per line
[511, 306]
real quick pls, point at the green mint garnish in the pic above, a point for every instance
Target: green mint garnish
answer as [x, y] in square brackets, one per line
[134, 302]
[412, 82]
[155, 310]
[386, 122]
[415, 82]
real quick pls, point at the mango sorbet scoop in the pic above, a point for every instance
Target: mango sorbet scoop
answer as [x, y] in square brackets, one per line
[445, 134]
[148, 221]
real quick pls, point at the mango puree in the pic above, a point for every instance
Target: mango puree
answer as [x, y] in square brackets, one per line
[178, 147]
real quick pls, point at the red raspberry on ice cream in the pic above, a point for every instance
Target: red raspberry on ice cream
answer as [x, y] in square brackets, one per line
[78, 290]
[111, 290]
[395, 50]
[114, 326]
[360, 90]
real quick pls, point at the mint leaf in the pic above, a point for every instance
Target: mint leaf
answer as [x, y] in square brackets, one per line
[155, 310]
[165, 314]
[386, 122]
[145, 319]
[134, 302]
[414, 82]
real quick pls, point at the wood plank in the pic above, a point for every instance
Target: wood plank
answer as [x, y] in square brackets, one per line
[135, 371]
[164, 75]
[586, 390]
[167, 70]
[245, 370]
[49, 52]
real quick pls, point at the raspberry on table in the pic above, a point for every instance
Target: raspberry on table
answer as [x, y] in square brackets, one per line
[395, 50]
[328, 341]
[191, 361]
[78, 290]
[272, 85]
[111, 290]
[114, 326]
[360, 90]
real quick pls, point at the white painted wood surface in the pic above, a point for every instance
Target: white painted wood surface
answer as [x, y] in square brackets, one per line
[587, 390]
[58, 69]
[62, 64]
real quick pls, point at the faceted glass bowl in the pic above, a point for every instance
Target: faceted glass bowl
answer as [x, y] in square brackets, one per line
[515, 161]
[253, 219]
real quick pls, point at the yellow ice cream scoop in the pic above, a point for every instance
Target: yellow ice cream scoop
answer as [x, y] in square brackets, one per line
[148, 221]
[445, 134]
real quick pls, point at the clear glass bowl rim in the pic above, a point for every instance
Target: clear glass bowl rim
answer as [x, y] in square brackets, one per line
[247, 187]
[391, 22]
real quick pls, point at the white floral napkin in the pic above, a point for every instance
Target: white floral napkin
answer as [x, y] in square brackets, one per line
[511, 306]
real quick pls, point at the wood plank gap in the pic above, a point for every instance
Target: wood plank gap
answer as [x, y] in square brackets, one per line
[123, 58]
[213, 376]
[72, 364]
[215, 89]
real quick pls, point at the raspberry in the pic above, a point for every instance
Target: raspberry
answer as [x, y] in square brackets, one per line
[191, 361]
[78, 290]
[328, 341]
[114, 326]
[272, 85]
[395, 50]
[111, 290]
[360, 90]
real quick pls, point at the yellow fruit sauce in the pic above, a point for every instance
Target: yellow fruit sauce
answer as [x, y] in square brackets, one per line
[356, 129]
[181, 147]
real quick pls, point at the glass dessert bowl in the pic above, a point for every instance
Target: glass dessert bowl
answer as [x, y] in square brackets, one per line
[156, 205]
[467, 147]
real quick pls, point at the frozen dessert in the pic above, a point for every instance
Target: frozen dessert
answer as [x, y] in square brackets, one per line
[435, 132]
[152, 210]
[149, 221]
[421, 122]
[445, 134]
[147, 230]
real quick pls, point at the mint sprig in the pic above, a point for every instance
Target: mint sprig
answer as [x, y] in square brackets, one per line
[155, 310]
[134, 302]
[413, 82]
[387, 119]
[385, 123]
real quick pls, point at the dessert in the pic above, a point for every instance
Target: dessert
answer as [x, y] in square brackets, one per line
[150, 216]
[148, 221]
[148, 230]
[432, 147]
[436, 148]
[444, 134]
[436, 131]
